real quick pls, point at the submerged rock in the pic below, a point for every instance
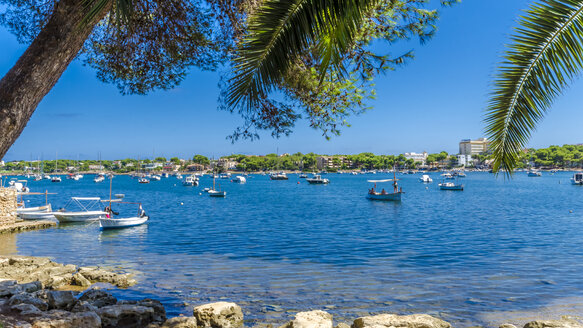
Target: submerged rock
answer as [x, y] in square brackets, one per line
[398, 321]
[159, 315]
[97, 274]
[311, 319]
[219, 315]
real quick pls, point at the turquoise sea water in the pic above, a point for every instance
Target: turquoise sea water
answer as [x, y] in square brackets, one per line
[279, 247]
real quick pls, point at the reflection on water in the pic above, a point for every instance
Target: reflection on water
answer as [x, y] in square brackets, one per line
[278, 247]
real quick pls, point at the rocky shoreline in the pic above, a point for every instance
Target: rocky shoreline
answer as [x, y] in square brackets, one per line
[39, 293]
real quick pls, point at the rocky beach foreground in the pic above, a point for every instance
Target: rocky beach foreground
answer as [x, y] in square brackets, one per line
[39, 293]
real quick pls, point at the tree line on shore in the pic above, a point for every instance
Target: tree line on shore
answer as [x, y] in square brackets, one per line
[566, 156]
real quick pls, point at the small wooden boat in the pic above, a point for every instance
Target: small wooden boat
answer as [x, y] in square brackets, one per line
[143, 180]
[37, 212]
[214, 192]
[395, 196]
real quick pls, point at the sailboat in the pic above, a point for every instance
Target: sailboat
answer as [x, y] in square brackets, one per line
[56, 178]
[214, 192]
[278, 176]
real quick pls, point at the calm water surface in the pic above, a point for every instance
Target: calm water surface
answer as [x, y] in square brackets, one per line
[278, 247]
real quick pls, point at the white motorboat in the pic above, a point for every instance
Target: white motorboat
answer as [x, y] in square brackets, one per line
[225, 176]
[165, 175]
[577, 179]
[143, 180]
[156, 177]
[190, 181]
[19, 185]
[99, 178]
[56, 179]
[534, 173]
[451, 186]
[425, 178]
[179, 176]
[239, 179]
[303, 176]
[448, 176]
[278, 176]
[47, 177]
[35, 213]
[317, 179]
[110, 222]
[89, 210]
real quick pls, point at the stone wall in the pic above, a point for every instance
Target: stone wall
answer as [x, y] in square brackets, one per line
[7, 206]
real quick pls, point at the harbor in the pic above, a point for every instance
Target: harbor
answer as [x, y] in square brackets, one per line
[277, 247]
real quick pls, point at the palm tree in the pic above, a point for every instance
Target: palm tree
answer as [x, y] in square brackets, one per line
[545, 55]
[279, 32]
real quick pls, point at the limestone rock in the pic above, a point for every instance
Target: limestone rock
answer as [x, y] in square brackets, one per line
[125, 315]
[61, 300]
[26, 309]
[159, 311]
[398, 321]
[98, 298]
[342, 325]
[180, 322]
[219, 315]
[311, 319]
[31, 287]
[507, 325]
[80, 280]
[82, 306]
[28, 299]
[96, 274]
[563, 323]
[64, 319]
[9, 288]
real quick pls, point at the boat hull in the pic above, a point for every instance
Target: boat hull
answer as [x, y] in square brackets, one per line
[458, 188]
[394, 197]
[106, 223]
[79, 216]
[36, 216]
[215, 193]
[315, 181]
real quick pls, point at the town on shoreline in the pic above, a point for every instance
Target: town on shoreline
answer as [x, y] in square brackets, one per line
[473, 155]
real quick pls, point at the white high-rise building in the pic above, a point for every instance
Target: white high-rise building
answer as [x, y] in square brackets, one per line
[474, 147]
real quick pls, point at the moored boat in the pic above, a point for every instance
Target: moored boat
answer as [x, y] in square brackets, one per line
[395, 196]
[317, 179]
[577, 179]
[110, 222]
[240, 179]
[425, 178]
[89, 210]
[534, 173]
[278, 176]
[190, 181]
[451, 186]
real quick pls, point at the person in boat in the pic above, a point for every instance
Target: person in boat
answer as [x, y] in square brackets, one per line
[110, 212]
[141, 212]
[383, 192]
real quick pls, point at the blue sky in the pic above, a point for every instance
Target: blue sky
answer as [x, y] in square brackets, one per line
[430, 104]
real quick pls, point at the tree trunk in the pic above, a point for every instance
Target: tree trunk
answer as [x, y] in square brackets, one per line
[40, 67]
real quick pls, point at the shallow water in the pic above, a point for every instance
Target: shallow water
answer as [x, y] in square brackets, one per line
[278, 247]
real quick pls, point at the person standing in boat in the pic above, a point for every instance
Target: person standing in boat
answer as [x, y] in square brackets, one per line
[141, 211]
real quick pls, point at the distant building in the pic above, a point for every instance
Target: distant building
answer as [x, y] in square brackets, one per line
[465, 160]
[417, 157]
[151, 166]
[195, 167]
[474, 147]
[324, 162]
[227, 163]
[95, 167]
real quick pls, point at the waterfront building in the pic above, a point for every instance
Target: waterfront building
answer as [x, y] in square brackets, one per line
[227, 163]
[336, 162]
[465, 160]
[474, 147]
[417, 158]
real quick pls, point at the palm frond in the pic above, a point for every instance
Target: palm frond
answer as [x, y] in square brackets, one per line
[545, 55]
[281, 30]
[122, 9]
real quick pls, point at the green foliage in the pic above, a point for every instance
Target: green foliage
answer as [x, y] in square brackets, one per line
[160, 159]
[200, 159]
[545, 55]
[317, 54]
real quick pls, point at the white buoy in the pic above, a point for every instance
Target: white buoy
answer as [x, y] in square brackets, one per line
[181, 203]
